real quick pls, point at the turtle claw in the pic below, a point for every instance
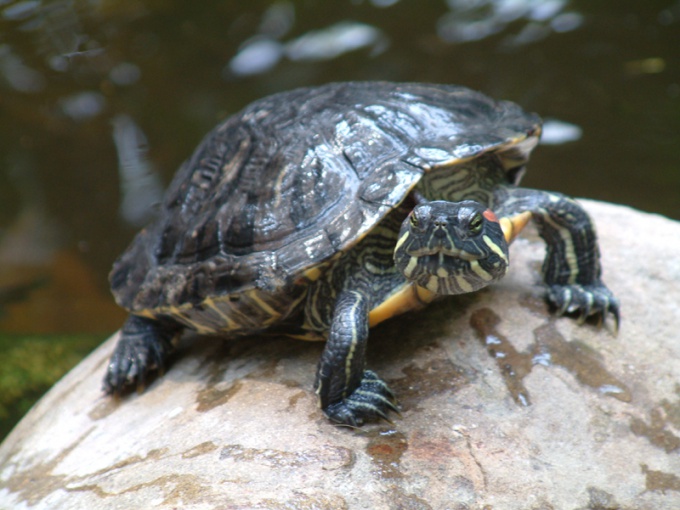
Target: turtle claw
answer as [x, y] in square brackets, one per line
[587, 301]
[144, 346]
[371, 400]
[129, 365]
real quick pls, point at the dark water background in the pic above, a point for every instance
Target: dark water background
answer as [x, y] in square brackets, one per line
[100, 101]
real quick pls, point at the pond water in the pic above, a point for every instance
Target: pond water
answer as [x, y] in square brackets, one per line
[100, 101]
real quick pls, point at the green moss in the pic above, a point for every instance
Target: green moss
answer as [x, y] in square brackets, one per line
[30, 365]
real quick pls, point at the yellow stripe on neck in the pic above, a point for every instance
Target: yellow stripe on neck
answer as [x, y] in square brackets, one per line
[513, 225]
[409, 297]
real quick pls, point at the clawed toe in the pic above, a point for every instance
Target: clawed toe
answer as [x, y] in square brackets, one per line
[585, 301]
[373, 399]
[143, 348]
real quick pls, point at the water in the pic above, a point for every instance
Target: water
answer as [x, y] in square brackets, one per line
[101, 101]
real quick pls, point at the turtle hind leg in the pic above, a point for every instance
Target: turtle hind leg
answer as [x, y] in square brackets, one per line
[571, 268]
[349, 394]
[144, 346]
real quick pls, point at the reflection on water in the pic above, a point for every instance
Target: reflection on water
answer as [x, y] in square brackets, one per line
[101, 101]
[140, 185]
[557, 132]
[478, 19]
[261, 54]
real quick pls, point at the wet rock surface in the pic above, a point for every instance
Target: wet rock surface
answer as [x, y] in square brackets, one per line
[503, 407]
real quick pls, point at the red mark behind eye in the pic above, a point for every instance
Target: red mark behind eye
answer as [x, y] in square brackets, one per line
[489, 215]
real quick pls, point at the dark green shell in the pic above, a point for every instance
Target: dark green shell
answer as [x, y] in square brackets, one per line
[278, 189]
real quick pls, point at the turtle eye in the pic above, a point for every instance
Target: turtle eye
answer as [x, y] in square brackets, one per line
[475, 226]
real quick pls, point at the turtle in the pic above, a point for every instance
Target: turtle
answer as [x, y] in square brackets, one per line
[322, 211]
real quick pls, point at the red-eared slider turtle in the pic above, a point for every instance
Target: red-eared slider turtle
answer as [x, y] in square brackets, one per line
[323, 211]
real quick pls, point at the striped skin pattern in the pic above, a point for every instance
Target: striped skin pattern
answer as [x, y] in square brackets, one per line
[571, 269]
[321, 212]
[452, 247]
[458, 246]
[368, 269]
[360, 280]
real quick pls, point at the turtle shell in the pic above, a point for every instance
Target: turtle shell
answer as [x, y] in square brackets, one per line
[275, 191]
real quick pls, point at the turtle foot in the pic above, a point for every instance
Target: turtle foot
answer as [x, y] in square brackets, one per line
[585, 301]
[144, 346]
[372, 400]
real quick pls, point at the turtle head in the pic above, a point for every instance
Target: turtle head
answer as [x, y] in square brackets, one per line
[452, 247]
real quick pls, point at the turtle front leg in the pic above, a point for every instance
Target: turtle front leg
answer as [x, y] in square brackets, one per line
[144, 345]
[349, 394]
[571, 268]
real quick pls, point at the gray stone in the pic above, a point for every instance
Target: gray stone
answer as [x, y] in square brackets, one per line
[503, 407]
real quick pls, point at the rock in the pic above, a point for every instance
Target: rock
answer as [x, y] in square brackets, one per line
[503, 407]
